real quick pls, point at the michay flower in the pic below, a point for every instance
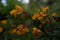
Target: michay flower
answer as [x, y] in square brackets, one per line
[36, 31]
[21, 30]
[45, 9]
[36, 15]
[18, 10]
[54, 15]
[42, 16]
[3, 22]
[39, 16]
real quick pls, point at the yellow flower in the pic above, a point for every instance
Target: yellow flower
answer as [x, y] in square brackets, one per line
[42, 14]
[36, 32]
[20, 27]
[17, 7]
[18, 10]
[14, 30]
[35, 16]
[13, 11]
[19, 33]
[54, 15]
[25, 30]
[22, 30]
[40, 18]
[45, 9]
[1, 29]
[34, 28]
[3, 22]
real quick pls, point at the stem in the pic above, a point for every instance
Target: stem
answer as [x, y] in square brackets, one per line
[51, 37]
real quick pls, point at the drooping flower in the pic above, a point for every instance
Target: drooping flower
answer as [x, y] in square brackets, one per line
[45, 9]
[20, 33]
[3, 22]
[21, 30]
[18, 10]
[54, 15]
[40, 19]
[35, 16]
[36, 31]
[42, 14]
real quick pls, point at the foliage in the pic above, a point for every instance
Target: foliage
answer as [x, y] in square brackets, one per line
[18, 23]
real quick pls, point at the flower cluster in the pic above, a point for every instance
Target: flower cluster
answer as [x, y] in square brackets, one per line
[40, 15]
[45, 9]
[36, 32]
[43, 19]
[18, 10]
[21, 29]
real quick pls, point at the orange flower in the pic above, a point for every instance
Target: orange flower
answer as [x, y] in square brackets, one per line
[36, 32]
[22, 29]
[42, 14]
[40, 18]
[17, 7]
[45, 9]
[22, 32]
[18, 10]
[3, 22]
[1, 29]
[14, 30]
[35, 16]
[13, 12]
[54, 15]
[25, 30]
[19, 33]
